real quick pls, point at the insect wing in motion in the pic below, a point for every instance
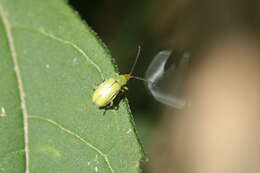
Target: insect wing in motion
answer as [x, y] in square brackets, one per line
[155, 73]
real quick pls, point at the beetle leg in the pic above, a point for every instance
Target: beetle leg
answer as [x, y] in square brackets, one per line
[111, 104]
[124, 88]
[104, 112]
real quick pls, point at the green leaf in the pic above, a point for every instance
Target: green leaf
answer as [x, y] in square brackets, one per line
[50, 62]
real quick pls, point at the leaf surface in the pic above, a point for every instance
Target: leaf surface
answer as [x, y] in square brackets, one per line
[50, 62]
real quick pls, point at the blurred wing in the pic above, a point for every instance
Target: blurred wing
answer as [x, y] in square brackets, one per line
[156, 67]
[155, 72]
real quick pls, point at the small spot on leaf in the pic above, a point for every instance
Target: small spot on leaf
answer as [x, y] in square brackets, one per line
[3, 112]
[51, 150]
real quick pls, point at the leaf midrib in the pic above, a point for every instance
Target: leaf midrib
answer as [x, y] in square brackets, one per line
[10, 40]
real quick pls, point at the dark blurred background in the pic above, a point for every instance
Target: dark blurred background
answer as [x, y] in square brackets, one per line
[162, 24]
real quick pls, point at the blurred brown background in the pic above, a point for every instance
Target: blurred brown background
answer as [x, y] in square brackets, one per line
[218, 133]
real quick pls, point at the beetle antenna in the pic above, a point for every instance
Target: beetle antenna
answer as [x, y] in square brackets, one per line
[136, 58]
[132, 69]
[138, 78]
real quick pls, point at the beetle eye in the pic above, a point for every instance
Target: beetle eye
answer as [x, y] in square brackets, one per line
[166, 85]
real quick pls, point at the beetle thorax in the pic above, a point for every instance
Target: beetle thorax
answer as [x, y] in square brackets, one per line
[123, 79]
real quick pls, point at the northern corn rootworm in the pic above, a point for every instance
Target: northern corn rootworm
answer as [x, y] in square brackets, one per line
[105, 94]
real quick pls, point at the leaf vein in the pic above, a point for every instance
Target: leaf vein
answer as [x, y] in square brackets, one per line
[10, 39]
[76, 136]
[75, 46]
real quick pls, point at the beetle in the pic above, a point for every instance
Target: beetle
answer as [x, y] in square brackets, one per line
[105, 94]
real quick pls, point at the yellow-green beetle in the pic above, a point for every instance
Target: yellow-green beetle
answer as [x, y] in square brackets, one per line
[107, 91]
